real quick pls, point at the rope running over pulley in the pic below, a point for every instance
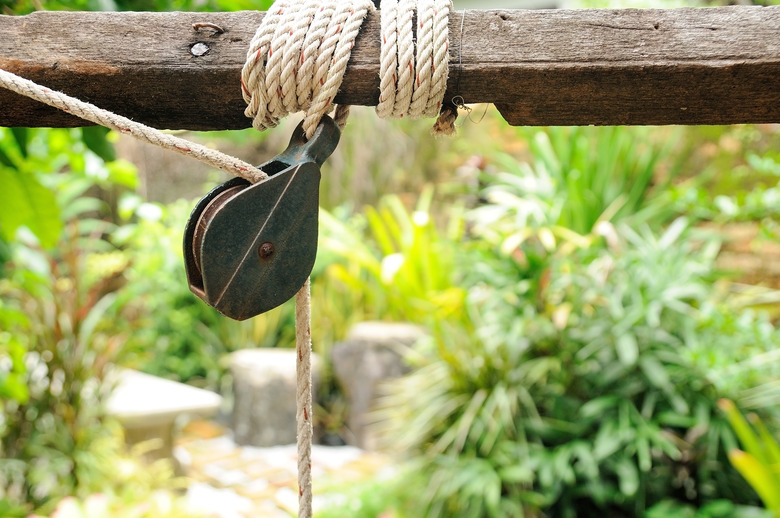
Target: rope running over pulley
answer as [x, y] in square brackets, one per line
[296, 62]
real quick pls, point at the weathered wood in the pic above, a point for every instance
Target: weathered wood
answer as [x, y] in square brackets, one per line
[680, 66]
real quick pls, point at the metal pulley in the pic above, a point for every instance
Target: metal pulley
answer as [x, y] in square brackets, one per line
[248, 248]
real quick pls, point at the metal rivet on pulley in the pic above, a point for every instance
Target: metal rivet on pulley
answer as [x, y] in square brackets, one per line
[250, 247]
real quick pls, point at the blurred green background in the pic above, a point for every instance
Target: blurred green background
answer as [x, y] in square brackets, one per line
[591, 296]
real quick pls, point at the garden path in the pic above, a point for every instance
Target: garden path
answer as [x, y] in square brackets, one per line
[232, 481]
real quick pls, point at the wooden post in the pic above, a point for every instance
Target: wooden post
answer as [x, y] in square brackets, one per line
[554, 67]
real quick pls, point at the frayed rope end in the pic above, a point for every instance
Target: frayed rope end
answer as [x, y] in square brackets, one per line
[445, 124]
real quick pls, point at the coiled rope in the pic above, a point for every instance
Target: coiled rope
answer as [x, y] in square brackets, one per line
[297, 59]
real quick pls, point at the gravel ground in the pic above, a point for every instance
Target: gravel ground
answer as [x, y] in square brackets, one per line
[231, 481]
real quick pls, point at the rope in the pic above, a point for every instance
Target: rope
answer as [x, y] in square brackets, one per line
[296, 62]
[297, 59]
[124, 125]
[304, 397]
[413, 83]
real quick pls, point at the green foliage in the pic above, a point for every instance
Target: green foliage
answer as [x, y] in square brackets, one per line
[585, 378]
[31, 163]
[589, 174]
[13, 383]
[56, 305]
[59, 306]
[714, 509]
[751, 189]
[121, 485]
[23, 200]
[60, 297]
[731, 186]
[576, 394]
[406, 269]
[389, 263]
[173, 334]
[387, 497]
[760, 462]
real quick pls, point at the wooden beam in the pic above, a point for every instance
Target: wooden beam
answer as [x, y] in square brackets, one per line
[565, 67]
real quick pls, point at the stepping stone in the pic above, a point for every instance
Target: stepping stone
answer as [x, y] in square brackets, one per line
[148, 406]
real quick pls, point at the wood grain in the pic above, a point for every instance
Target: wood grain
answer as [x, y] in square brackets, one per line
[553, 67]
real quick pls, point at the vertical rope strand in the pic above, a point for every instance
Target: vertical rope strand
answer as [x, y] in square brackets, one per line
[304, 398]
[413, 71]
[405, 42]
[388, 72]
[424, 59]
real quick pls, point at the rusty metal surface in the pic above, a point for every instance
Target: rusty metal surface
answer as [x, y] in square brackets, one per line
[299, 150]
[249, 248]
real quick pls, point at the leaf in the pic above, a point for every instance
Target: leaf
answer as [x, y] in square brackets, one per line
[627, 349]
[517, 474]
[655, 373]
[94, 316]
[80, 207]
[122, 172]
[759, 477]
[643, 455]
[94, 137]
[744, 431]
[628, 476]
[673, 233]
[13, 386]
[379, 232]
[21, 136]
[6, 161]
[599, 406]
[768, 440]
[25, 202]
[586, 462]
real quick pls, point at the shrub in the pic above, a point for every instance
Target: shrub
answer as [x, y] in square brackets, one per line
[582, 395]
[396, 262]
[58, 338]
[57, 306]
[593, 174]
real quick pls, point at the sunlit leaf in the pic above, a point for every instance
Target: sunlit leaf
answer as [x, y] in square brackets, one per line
[627, 349]
[122, 172]
[628, 476]
[25, 202]
[761, 479]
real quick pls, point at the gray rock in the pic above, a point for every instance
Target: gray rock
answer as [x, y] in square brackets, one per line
[264, 387]
[372, 353]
